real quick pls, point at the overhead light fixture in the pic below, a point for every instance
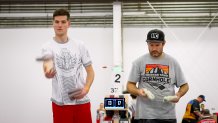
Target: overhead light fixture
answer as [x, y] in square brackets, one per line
[50, 14]
[134, 13]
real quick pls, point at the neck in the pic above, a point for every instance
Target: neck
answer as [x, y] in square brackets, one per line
[61, 39]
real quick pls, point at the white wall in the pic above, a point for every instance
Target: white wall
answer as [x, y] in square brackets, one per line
[25, 92]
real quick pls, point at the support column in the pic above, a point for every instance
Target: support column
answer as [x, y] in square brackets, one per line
[117, 50]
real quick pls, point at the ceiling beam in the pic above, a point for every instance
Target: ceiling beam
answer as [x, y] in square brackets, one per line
[90, 1]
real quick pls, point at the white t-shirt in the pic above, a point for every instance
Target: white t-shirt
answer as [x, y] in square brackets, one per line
[69, 60]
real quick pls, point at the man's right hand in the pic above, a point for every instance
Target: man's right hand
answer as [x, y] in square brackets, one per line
[50, 73]
[141, 92]
[49, 70]
[146, 93]
[131, 88]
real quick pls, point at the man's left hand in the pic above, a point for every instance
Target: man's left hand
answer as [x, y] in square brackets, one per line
[82, 93]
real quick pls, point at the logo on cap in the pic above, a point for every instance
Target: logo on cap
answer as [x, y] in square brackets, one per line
[154, 35]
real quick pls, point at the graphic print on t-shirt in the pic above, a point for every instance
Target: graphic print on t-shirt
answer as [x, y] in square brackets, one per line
[65, 60]
[67, 64]
[156, 75]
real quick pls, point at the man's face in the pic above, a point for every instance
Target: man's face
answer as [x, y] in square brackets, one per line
[102, 106]
[61, 25]
[201, 100]
[155, 48]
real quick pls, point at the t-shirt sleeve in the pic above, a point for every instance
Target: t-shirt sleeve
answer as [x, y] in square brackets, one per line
[85, 56]
[134, 75]
[196, 106]
[180, 78]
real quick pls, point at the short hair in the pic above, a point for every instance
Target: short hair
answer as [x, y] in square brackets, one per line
[61, 12]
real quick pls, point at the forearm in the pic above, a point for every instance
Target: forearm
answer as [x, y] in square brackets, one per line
[89, 77]
[198, 113]
[131, 88]
[183, 90]
[47, 65]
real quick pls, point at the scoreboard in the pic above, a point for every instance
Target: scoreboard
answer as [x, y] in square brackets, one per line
[114, 103]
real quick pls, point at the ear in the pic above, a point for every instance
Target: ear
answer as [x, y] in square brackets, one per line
[163, 43]
[69, 23]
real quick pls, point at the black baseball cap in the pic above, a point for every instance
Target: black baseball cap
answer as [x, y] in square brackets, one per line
[155, 35]
[202, 96]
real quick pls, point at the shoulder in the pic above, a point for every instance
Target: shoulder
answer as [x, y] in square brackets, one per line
[77, 42]
[171, 59]
[47, 44]
[195, 102]
[141, 58]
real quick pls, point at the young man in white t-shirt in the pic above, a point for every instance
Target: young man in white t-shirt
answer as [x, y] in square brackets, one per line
[65, 63]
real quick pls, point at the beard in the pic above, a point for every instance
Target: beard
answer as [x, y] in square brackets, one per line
[155, 53]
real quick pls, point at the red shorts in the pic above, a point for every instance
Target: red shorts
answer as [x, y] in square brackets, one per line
[72, 113]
